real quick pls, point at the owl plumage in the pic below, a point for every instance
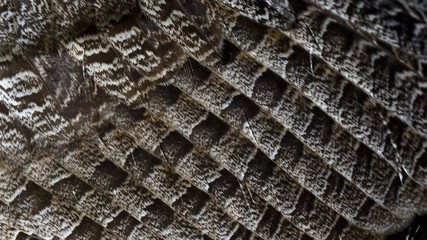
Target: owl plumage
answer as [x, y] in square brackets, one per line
[225, 119]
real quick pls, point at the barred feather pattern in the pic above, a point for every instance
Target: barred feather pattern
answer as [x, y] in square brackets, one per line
[225, 119]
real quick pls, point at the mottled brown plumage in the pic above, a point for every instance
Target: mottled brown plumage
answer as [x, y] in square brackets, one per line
[226, 119]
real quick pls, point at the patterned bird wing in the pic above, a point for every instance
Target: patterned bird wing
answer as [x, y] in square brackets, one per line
[225, 119]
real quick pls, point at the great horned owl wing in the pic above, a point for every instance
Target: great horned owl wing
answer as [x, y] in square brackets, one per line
[222, 119]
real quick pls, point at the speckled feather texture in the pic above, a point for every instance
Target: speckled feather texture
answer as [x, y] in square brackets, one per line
[213, 119]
